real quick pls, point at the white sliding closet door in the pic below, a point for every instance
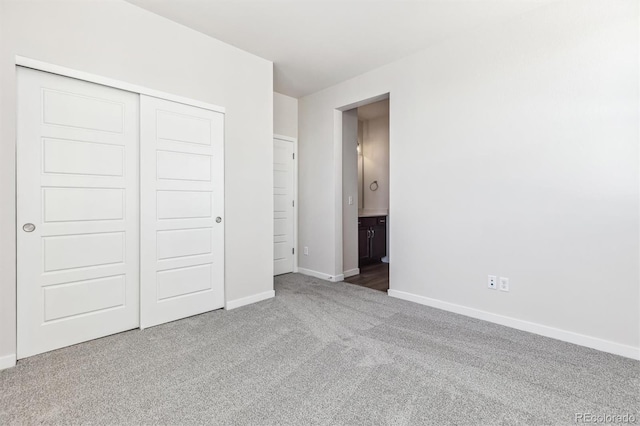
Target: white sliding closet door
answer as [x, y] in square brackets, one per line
[182, 196]
[77, 211]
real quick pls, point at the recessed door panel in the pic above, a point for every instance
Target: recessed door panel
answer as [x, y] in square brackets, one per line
[194, 126]
[182, 184]
[176, 204]
[184, 242]
[84, 111]
[83, 158]
[184, 281]
[80, 204]
[62, 252]
[78, 244]
[181, 166]
[83, 297]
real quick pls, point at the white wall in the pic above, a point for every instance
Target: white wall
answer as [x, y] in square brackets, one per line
[350, 189]
[514, 151]
[285, 115]
[121, 41]
[375, 154]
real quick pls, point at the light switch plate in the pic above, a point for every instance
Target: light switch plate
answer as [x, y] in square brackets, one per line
[504, 284]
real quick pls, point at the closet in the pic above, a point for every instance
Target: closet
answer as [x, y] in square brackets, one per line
[119, 210]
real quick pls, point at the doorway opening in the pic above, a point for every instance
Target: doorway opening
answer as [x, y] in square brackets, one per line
[365, 190]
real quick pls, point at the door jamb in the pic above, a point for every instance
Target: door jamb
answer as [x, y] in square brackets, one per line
[338, 200]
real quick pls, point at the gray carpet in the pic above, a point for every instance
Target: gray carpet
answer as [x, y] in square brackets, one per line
[320, 353]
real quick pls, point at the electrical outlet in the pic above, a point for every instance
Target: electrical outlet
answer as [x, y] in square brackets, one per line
[350, 200]
[492, 282]
[504, 284]
[306, 251]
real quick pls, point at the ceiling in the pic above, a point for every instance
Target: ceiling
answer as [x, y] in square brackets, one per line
[315, 44]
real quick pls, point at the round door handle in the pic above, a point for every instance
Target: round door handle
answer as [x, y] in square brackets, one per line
[218, 219]
[28, 227]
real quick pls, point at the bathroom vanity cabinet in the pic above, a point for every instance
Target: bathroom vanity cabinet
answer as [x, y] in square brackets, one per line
[372, 239]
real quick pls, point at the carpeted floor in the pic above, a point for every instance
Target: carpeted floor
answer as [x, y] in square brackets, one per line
[320, 353]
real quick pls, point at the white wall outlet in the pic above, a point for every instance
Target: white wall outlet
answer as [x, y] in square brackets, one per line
[306, 251]
[504, 284]
[492, 282]
[350, 200]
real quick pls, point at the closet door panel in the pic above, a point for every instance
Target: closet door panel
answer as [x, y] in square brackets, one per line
[182, 184]
[77, 211]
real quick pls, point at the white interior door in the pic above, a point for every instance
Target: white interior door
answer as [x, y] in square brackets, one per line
[77, 211]
[283, 206]
[182, 205]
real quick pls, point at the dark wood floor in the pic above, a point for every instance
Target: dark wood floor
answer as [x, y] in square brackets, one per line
[374, 276]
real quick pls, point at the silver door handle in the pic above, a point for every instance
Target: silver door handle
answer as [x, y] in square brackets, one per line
[218, 219]
[373, 233]
[28, 227]
[368, 233]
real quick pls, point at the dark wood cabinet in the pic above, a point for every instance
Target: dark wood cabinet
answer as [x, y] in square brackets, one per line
[363, 245]
[378, 242]
[372, 239]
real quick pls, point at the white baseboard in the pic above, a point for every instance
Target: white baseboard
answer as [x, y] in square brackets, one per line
[233, 304]
[531, 327]
[351, 272]
[321, 275]
[7, 361]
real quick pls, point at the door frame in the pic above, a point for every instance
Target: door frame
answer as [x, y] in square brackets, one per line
[295, 196]
[22, 61]
[338, 268]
